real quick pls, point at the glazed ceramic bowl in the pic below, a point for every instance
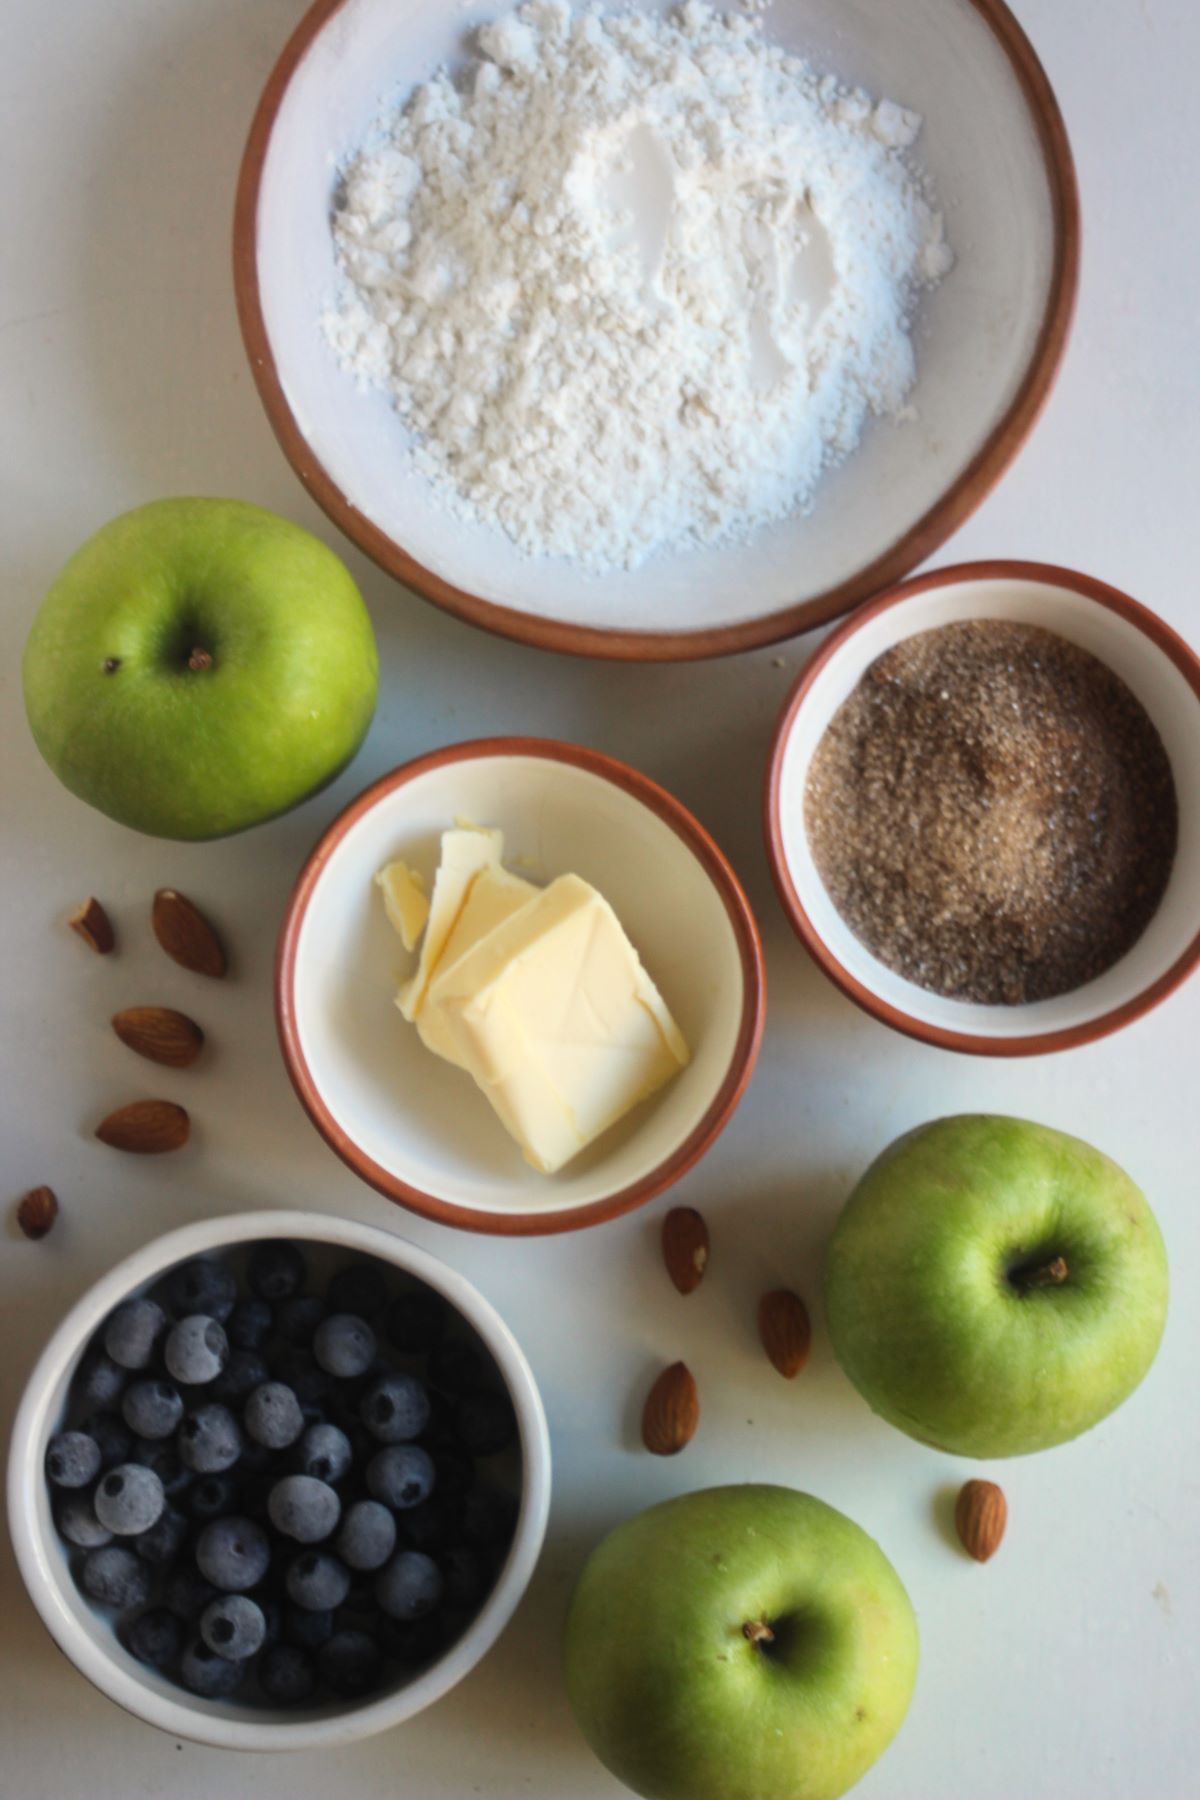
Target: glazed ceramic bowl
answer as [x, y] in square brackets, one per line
[1163, 673]
[418, 1129]
[86, 1635]
[989, 340]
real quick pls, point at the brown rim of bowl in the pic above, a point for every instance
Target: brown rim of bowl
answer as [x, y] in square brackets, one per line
[969, 1043]
[741, 1063]
[918, 543]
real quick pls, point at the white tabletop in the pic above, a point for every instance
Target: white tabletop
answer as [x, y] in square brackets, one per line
[1068, 1668]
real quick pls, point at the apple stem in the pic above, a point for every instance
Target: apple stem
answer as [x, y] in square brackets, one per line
[1051, 1274]
[757, 1631]
[199, 660]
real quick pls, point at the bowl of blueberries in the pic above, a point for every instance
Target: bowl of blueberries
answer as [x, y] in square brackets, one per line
[278, 1481]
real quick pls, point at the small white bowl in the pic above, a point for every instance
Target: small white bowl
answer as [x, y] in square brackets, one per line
[1152, 660]
[87, 1636]
[418, 1129]
[989, 341]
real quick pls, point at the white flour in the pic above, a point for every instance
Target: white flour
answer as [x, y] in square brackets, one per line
[634, 283]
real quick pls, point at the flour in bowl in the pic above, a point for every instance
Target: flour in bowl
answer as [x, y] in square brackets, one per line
[633, 283]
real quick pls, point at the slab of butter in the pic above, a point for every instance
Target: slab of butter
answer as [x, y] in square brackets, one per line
[539, 995]
[406, 901]
[559, 1023]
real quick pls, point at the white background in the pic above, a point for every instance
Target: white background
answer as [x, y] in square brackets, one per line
[1067, 1669]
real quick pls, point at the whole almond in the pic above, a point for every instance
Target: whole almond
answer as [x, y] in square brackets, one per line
[146, 1128]
[37, 1212]
[90, 922]
[980, 1516]
[784, 1328]
[685, 1247]
[186, 935]
[159, 1033]
[671, 1412]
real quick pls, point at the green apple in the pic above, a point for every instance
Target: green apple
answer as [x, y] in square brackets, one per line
[741, 1643]
[995, 1287]
[199, 666]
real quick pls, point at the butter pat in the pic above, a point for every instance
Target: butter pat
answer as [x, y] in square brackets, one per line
[465, 852]
[493, 897]
[406, 901]
[553, 1014]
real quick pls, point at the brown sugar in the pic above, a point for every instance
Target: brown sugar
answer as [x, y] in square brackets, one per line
[993, 813]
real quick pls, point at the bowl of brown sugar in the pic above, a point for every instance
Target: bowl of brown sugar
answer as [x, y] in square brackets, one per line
[983, 808]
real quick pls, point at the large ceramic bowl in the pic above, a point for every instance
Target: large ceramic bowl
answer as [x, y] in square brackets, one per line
[87, 1636]
[989, 343]
[417, 1128]
[1160, 669]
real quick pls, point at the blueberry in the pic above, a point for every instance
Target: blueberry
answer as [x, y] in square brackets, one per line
[244, 1371]
[154, 1454]
[412, 1642]
[395, 1408]
[401, 1476]
[232, 1553]
[162, 1542]
[272, 1416]
[129, 1499]
[318, 1581]
[485, 1422]
[113, 1436]
[186, 1592]
[303, 1508]
[250, 1324]
[287, 1675]
[489, 1518]
[344, 1346]
[298, 1318]
[360, 1288]
[196, 1350]
[350, 1663]
[276, 1270]
[368, 1535]
[256, 1495]
[325, 1452]
[155, 1638]
[77, 1522]
[455, 1473]
[432, 1525]
[210, 1440]
[409, 1587]
[133, 1331]
[203, 1285]
[416, 1321]
[212, 1497]
[100, 1382]
[233, 1626]
[72, 1459]
[455, 1367]
[464, 1574]
[152, 1409]
[307, 1627]
[313, 1388]
[205, 1673]
[114, 1577]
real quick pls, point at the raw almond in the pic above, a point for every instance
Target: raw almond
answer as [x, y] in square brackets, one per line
[685, 1247]
[146, 1128]
[186, 935]
[160, 1033]
[671, 1412]
[37, 1212]
[92, 924]
[980, 1516]
[785, 1331]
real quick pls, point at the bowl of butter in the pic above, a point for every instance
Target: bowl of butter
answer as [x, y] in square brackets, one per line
[519, 987]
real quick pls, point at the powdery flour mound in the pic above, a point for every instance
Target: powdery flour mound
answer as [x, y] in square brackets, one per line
[633, 283]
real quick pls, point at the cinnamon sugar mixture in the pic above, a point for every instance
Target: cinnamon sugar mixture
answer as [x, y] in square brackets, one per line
[993, 813]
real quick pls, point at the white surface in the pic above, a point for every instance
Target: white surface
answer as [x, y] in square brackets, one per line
[414, 1114]
[974, 339]
[1151, 676]
[85, 1631]
[1067, 1669]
